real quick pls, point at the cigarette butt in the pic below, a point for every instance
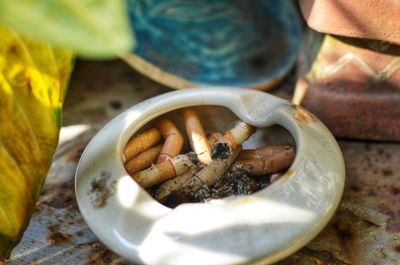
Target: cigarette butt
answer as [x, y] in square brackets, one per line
[211, 173]
[143, 160]
[232, 140]
[197, 137]
[214, 137]
[174, 184]
[300, 90]
[261, 152]
[268, 164]
[163, 171]
[140, 143]
[173, 139]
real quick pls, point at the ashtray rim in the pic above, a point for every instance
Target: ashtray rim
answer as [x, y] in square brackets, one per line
[311, 189]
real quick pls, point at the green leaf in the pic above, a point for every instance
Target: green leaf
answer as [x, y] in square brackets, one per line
[92, 28]
[33, 78]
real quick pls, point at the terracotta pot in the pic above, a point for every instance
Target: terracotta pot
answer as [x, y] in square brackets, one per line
[368, 19]
[353, 86]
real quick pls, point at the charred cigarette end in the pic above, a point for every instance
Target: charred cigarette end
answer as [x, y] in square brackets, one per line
[232, 140]
[221, 150]
[174, 199]
[192, 157]
[211, 173]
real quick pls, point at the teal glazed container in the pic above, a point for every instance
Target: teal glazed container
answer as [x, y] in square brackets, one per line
[225, 43]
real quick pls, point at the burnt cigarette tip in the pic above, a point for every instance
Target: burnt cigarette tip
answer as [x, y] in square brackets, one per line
[192, 157]
[221, 151]
[174, 199]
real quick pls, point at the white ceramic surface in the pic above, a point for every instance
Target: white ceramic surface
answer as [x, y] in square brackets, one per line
[260, 229]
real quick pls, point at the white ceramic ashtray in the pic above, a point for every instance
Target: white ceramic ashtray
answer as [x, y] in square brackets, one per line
[260, 228]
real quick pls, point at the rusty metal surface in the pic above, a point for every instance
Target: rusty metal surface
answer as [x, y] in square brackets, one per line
[365, 230]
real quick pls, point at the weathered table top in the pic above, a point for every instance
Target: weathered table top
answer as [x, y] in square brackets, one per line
[365, 229]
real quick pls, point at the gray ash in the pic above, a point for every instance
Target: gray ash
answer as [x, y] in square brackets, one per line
[101, 190]
[234, 182]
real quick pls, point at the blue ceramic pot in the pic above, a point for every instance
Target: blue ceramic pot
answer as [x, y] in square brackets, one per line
[237, 43]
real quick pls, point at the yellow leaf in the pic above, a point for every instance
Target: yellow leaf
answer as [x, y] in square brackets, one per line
[33, 79]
